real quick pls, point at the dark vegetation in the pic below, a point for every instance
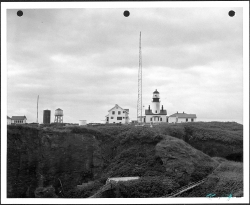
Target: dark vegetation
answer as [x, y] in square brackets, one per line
[67, 156]
[225, 180]
[146, 187]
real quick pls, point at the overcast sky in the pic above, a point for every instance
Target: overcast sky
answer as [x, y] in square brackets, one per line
[85, 61]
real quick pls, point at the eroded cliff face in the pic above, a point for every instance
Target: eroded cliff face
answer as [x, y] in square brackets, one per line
[216, 139]
[50, 161]
[38, 158]
[183, 162]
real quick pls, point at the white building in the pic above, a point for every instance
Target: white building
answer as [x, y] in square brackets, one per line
[181, 117]
[82, 122]
[18, 120]
[118, 115]
[8, 120]
[121, 179]
[157, 114]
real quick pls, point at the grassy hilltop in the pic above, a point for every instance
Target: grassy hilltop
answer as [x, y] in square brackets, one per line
[57, 159]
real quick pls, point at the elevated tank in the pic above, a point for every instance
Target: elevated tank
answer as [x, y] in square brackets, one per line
[58, 116]
[59, 112]
[46, 116]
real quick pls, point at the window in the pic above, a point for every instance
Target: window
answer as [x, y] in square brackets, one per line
[151, 119]
[160, 119]
[112, 117]
[119, 112]
[113, 112]
[123, 117]
[192, 119]
[186, 119]
[123, 112]
[119, 118]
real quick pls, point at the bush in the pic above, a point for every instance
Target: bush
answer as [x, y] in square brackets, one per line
[86, 191]
[143, 135]
[137, 160]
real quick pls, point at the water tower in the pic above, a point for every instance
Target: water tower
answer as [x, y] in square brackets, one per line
[59, 116]
[46, 116]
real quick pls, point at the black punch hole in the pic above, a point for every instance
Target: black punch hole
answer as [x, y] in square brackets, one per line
[19, 13]
[126, 13]
[231, 13]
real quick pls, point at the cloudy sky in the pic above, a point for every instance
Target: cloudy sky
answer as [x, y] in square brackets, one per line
[85, 61]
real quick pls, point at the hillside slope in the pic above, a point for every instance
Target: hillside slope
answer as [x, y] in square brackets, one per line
[226, 180]
[183, 162]
[216, 139]
[64, 157]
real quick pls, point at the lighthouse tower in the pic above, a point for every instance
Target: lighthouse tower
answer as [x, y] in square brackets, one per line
[156, 114]
[156, 102]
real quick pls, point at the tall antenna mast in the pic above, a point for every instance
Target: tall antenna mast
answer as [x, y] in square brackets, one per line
[139, 101]
[37, 109]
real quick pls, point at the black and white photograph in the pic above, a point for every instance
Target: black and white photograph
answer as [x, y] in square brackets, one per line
[143, 101]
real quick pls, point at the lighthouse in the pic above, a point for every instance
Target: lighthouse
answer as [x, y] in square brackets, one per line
[156, 113]
[156, 102]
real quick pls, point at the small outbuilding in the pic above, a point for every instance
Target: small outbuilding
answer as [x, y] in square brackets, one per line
[182, 117]
[8, 120]
[18, 120]
[121, 179]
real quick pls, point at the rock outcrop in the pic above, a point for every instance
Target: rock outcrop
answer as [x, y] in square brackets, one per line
[183, 162]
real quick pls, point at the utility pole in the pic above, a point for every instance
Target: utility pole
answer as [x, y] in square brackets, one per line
[37, 110]
[139, 101]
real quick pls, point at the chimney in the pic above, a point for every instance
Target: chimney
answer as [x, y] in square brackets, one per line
[177, 112]
[162, 107]
[149, 107]
[183, 112]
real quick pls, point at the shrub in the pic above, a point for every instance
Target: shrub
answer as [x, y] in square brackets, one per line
[137, 160]
[86, 191]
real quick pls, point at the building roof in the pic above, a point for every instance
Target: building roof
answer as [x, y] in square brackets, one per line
[117, 179]
[126, 110]
[183, 115]
[156, 91]
[149, 112]
[58, 109]
[8, 117]
[19, 118]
